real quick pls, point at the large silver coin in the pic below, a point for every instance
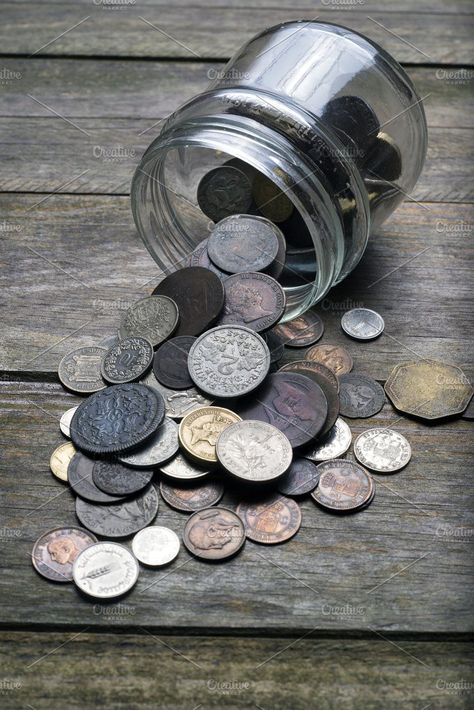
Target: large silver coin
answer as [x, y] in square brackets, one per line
[243, 243]
[182, 469]
[121, 519]
[333, 445]
[382, 450]
[162, 446]
[65, 421]
[229, 361]
[178, 403]
[79, 370]
[155, 546]
[254, 451]
[105, 570]
[362, 323]
[153, 318]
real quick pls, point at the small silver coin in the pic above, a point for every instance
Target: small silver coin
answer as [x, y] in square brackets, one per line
[105, 570]
[333, 445]
[362, 324]
[178, 403]
[79, 370]
[162, 446]
[127, 361]
[382, 450]
[243, 243]
[182, 469]
[155, 546]
[65, 421]
[153, 317]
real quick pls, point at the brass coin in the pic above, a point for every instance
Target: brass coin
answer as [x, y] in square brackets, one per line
[199, 431]
[335, 357]
[271, 520]
[428, 389]
[60, 459]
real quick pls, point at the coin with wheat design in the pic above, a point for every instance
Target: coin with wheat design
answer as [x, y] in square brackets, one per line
[105, 570]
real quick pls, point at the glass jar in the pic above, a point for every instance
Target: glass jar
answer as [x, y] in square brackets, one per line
[324, 113]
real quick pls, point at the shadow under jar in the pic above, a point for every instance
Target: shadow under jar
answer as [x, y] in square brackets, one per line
[325, 114]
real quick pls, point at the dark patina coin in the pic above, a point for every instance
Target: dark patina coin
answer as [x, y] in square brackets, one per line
[117, 419]
[192, 497]
[302, 477]
[121, 519]
[252, 299]
[127, 361]
[170, 363]
[243, 243]
[360, 396]
[275, 345]
[302, 331]
[224, 191]
[159, 448]
[293, 403]
[354, 121]
[200, 257]
[384, 160]
[80, 479]
[118, 480]
[199, 295]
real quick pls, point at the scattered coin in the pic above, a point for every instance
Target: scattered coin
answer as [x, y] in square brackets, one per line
[182, 469]
[105, 570]
[272, 520]
[302, 477]
[55, 551]
[200, 430]
[191, 498]
[118, 480]
[243, 243]
[228, 361]
[178, 403]
[360, 396]
[120, 519]
[155, 546]
[80, 479]
[252, 299]
[302, 331]
[469, 411]
[272, 202]
[334, 357]
[117, 419]
[254, 451]
[153, 317]
[275, 346]
[224, 191]
[79, 370]
[214, 534]
[60, 459]
[65, 421]
[382, 450]
[170, 364]
[161, 447]
[127, 361]
[362, 324]
[343, 486]
[333, 445]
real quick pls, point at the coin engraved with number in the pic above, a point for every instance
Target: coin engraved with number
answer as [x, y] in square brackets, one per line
[162, 446]
[214, 534]
[192, 497]
[362, 323]
[333, 445]
[360, 396]
[121, 519]
[334, 357]
[55, 552]
[153, 317]
[155, 546]
[272, 520]
[343, 486]
[228, 361]
[301, 331]
[79, 370]
[382, 450]
[178, 403]
[118, 480]
[200, 430]
[127, 361]
[243, 243]
[105, 570]
[60, 459]
[252, 299]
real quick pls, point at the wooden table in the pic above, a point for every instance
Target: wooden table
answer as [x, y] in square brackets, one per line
[372, 610]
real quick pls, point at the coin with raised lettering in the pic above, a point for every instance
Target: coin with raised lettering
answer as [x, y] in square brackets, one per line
[271, 520]
[170, 364]
[192, 497]
[153, 317]
[182, 469]
[302, 477]
[362, 324]
[243, 242]
[127, 361]
[158, 449]
[360, 396]
[60, 459]
[343, 486]
[200, 430]
[178, 402]
[224, 191]
[119, 519]
[105, 570]
[334, 357]
[252, 299]
[79, 370]
[382, 450]
[301, 331]
[118, 480]
[65, 421]
[155, 546]
[81, 480]
[333, 445]
[55, 552]
[214, 534]
[328, 382]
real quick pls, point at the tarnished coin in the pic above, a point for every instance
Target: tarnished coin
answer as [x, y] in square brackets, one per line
[60, 459]
[118, 480]
[224, 191]
[275, 269]
[334, 357]
[55, 552]
[117, 419]
[343, 486]
[199, 295]
[191, 498]
[384, 159]
[79, 370]
[153, 317]
[469, 411]
[360, 396]
[228, 361]
[121, 519]
[178, 403]
[170, 364]
[272, 202]
[161, 447]
[65, 421]
[252, 299]
[302, 477]
[292, 402]
[80, 479]
[362, 324]
[243, 243]
[302, 331]
[182, 469]
[214, 534]
[333, 445]
[382, 450]
[155, 546]
[200, 257]
[254, 451]
[200, 430]
[275, 346]
[127, 361]
[328, 382]
[428, 389]
[105, 570]
[271, 520]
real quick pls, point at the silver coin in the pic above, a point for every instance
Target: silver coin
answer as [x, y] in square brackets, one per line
[178, 403]
[362, 324]
[105, 570]
[65, 421]
[153, 318]
[181, 469]
[120, 519]
[79, 370]
[155, 546]
[162, 446]
[382, 450]
[229, 361]
[333, 445]
[243, 243]
[127, 360]
[254, 451]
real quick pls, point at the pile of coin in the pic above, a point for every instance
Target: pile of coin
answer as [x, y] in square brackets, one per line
[189, 397]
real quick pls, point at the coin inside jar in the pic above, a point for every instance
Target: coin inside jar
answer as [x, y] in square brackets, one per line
[170, 364]
[252, 299]
[343, 486]
[60, 459]
[382, 450]
[192, 497]
[105, 570]
[271, 200]
[200, 430]
[271, 520]
[243, 243]
[224, 191]
[214, 534]
[155, 546]
[55, 552]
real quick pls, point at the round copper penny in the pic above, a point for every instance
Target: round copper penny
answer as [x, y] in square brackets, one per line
[170, 364]
[271, 520]
[214, 534]
[334, 357]
[302, 331]
[343, 486]
[194, 497]
[55, 551]
[252, 299]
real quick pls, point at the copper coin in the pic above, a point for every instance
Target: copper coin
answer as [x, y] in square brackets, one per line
[334, 357]
[343, 486]
[360, 396]
[302, 477]
[302, 331]
[170, 364]
[191, 498]
[199, 295]
[214, 534]
[80, 477]
[272, 202]
[55, 551]
[252, 299]
[243, 242]
[293, 403]
[271, 520]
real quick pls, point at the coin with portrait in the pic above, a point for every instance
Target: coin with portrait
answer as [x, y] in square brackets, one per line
[214, 534]
[55, 552]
